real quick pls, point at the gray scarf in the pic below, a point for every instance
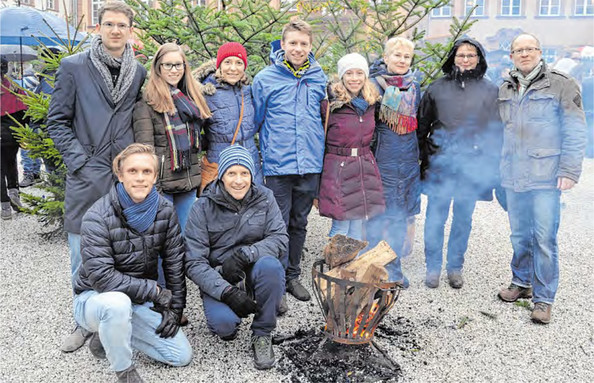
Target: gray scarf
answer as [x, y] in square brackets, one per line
[525, 81]
[102, 60]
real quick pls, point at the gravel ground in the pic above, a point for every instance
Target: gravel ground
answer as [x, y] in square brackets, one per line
[446, 335]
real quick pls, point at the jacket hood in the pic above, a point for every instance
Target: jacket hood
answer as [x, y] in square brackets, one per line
[205, 74]
[449, 69]
[277, 55]
[377, 68]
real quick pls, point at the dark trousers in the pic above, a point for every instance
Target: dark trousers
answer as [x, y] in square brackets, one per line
[266, 282]
[8, 170]
[294, 195]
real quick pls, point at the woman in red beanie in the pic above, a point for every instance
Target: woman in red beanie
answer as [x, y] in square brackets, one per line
[229, 97]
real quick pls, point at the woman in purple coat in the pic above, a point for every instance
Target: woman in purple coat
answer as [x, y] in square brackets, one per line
[351, 187]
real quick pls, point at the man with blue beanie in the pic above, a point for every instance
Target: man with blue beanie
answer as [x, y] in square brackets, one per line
[235, 235]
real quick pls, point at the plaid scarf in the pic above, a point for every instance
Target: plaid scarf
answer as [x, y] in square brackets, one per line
[298, 72]
[524, 81]
[140, 216]
[398, 109]
[183, 130]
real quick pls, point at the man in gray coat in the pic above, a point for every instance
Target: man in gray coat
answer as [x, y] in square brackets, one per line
[543, 149]
[90, 121]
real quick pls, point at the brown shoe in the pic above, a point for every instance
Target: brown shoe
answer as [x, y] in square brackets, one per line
[541, 313]
[455, 280]
[515, 292]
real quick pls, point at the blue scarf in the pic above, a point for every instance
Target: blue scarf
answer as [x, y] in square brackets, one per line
[140, 216]
[360, 105]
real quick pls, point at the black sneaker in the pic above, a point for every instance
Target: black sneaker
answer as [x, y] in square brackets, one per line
[296, 289]
[283, 307]
[129, 375]
[263, 353]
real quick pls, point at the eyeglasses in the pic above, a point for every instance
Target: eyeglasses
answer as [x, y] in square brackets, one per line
[469, 56]
[524, 50]
[170, 66]
[109, 26]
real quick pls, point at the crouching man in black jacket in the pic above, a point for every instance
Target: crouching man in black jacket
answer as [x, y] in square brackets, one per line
[117, 296]
[235, 234]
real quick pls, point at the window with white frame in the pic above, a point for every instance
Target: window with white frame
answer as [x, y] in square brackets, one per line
[49, 4]
[443, 11]
[511, 7]
[584, 7]
[96, 4]
[549, 8]
[480, 9]
[200, 3]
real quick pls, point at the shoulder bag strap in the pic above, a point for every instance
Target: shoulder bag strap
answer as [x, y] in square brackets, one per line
[240, 119]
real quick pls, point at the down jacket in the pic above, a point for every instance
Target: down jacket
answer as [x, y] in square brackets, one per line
[118, 258]
[89, 130]
[288, 115]
[545, 132]
[224, 102]
[351, 187]
[149, 128]
[397, 158]
[460, 132]
[217, 227]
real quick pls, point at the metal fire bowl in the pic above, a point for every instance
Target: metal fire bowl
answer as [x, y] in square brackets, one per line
[335, 311]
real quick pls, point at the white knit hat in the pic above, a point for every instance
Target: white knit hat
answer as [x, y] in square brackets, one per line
[352, 61]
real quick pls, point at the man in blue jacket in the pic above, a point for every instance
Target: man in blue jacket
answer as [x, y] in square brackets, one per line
[287, 96]
[234, 237]
[543, 149]
[90, 121]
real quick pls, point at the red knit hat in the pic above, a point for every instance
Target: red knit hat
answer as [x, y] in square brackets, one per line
[231, 49]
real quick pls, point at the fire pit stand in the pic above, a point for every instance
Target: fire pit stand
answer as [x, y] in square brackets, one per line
[350, 320]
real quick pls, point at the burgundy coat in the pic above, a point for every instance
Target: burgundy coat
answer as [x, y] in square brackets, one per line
[351, 187]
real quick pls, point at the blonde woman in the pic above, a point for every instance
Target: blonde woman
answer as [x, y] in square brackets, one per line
[170, 117]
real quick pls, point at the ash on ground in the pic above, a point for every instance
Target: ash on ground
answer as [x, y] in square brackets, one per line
[309, 356]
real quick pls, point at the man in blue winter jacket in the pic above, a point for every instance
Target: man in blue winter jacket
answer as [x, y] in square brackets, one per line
[287, 96]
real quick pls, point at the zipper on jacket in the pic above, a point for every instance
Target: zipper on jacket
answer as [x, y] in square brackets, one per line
[162, 166]
[363, 189]
[189, 180]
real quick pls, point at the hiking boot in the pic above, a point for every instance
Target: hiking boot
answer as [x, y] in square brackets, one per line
[15, 199]
[96, 347]
[296, 289]
[541, 313]
[455, 279]
[283, 307]
[515, 292]
[263, 353]
[432, 280]
[75, 340]
[28, 180]
[6, 211]
[129, 375]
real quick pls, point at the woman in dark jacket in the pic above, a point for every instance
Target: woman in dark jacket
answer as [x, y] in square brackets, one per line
[170, 117]
[229, 96]
[460, 140]
[351, 187]
[396, 150]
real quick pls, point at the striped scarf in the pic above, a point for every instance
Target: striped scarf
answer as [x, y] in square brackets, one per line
[398, 109]
[524, 81]
[183, 130]
[298, 72]
[140, 216]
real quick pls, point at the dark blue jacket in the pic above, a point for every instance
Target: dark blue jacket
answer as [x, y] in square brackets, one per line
[288, 113]
[216, 227]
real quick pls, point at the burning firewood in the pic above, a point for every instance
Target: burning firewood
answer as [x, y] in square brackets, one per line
[342, 249]
[381, 255]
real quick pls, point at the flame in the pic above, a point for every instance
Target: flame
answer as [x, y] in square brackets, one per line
[364, 334]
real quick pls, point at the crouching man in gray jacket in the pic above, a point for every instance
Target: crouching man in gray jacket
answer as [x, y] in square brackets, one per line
[234, 237]
[117, 296]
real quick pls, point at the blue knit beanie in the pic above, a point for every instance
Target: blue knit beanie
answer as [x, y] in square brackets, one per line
[235, 155]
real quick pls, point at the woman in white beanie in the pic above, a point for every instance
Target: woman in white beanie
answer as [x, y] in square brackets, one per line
[351, 188]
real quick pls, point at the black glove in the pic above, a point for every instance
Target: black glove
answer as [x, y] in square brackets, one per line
[239, 302]
[234, 266]
[163, 299]
[170, 323]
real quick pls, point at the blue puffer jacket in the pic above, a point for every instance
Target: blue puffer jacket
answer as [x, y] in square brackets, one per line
[224, 101]
[288, 112]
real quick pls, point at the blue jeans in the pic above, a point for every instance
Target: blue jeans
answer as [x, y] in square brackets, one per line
[438, 209]
[267, 282]
[75, 257]
[183, 204]
[123, 326]
[534, 219]
[30, 166]
[294, 195]
[392, 229]
[352, 228]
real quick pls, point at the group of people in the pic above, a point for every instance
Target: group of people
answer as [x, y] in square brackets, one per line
[143, 210]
